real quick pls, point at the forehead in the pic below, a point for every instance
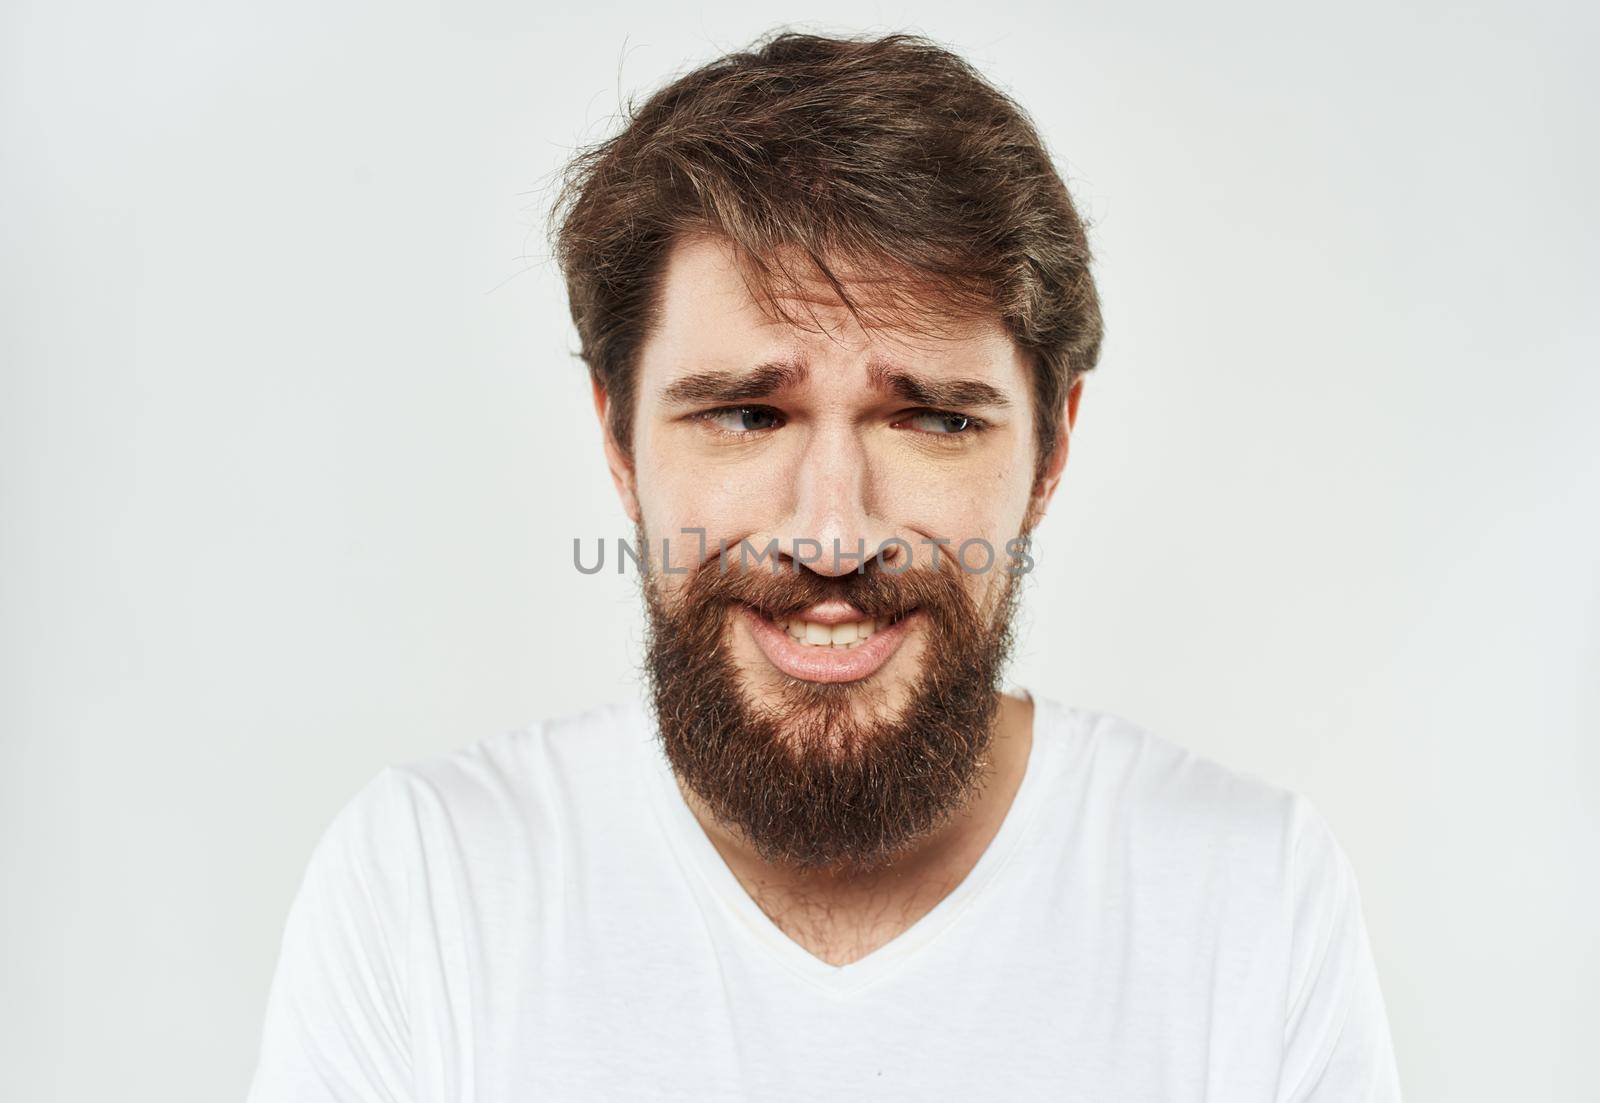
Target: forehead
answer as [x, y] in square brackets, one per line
[708, 319]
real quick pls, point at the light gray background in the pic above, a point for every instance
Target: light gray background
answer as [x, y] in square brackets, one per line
[294, 450]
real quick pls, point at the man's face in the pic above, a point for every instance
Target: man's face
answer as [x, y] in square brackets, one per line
[765, 434]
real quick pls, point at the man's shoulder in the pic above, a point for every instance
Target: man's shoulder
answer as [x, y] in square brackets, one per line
[516, 758]
[540, 772]
[1127, 780]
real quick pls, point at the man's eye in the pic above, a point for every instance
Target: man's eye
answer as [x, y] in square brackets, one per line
[938, 421]
[743, 419]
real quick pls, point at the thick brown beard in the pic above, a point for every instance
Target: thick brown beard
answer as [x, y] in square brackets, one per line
[800, 778]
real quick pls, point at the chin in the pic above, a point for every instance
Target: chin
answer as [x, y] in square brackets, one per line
[810, 710]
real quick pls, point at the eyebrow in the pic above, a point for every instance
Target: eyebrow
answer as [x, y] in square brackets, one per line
[729, 386]
[938, 393]
[771, 378]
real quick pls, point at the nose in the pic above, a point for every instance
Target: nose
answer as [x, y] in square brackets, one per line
[833, 524]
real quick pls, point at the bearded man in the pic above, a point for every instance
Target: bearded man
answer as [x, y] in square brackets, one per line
[837, 310]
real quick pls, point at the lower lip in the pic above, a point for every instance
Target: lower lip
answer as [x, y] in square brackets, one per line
[825, 664]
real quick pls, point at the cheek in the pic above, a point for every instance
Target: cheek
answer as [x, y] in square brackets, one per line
[724, 503]
[984, 497]
[692, 509]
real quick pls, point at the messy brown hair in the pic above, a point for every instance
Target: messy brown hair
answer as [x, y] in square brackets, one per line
[886, 155]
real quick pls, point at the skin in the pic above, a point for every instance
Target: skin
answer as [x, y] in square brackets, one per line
[832, 448]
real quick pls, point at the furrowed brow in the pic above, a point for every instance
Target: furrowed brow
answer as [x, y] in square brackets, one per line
[731, 386]
[939, 393]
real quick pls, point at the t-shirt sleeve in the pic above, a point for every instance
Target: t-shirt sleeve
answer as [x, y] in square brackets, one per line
[1337, 1047]
[336, 1026]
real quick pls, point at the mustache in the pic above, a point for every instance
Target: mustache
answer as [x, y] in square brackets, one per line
[875, 591]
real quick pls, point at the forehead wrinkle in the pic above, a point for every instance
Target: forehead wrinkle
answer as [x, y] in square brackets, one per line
[865, 295]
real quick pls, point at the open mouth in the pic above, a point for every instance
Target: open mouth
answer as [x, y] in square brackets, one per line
[830, 642]
[847, 634]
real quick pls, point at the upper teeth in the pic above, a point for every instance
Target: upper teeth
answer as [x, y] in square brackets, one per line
[848, 634]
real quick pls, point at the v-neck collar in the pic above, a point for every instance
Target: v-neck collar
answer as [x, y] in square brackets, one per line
[719, 886]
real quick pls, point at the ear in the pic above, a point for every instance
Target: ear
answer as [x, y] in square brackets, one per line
[617, 461]
[1050, 477]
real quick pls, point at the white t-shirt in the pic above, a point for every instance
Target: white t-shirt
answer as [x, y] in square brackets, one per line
[541, 917]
